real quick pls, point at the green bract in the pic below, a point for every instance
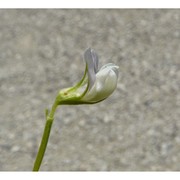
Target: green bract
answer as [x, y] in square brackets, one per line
[95, 86]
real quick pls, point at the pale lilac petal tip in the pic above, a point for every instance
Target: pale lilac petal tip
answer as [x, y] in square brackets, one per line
[91, 59]
[95, 60]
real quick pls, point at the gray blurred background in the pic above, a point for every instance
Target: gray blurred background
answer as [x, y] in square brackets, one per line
[137, 128]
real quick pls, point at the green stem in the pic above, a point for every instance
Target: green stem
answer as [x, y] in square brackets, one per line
[45, 137]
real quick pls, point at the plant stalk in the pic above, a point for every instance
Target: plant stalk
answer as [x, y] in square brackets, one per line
[45, 137]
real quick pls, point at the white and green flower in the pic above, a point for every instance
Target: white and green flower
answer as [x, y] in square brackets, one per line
[95, 86]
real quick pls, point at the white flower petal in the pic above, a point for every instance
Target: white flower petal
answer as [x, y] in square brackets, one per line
[111, 66]
[105, 84]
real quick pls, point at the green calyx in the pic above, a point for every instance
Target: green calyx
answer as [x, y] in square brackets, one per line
[73, 95]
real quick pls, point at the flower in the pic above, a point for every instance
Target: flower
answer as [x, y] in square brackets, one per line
[95, 86]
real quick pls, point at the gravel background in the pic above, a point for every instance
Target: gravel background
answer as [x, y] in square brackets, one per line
[137, 128]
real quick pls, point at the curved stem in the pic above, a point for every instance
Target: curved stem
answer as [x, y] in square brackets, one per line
[45, 137]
